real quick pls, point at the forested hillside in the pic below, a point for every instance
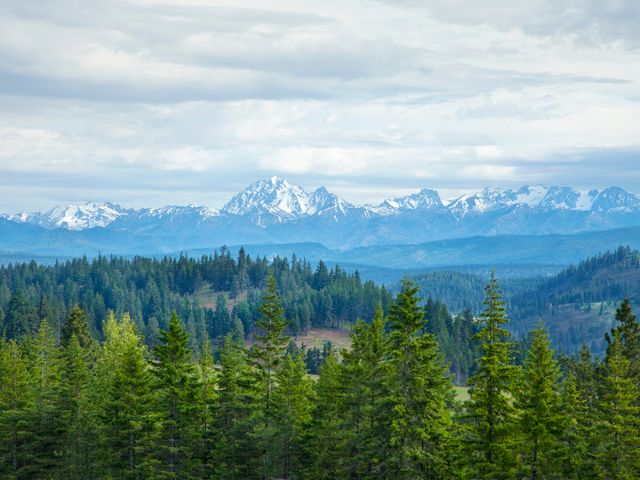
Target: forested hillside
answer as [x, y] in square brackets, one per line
[577, 304]
[214, 295]
[149, 290]
[75, 408]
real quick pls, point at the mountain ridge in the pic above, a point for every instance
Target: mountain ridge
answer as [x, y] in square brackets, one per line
[274, 210]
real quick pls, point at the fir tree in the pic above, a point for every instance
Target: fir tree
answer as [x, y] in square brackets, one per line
[127, 402]
[570, 457]
[44, 440]
[292, 403]
[490, 411]
[78, 425]
[322, 440]
[266, 355]
[364, 418]
[77, 325]
[539, 404]
[235, 451]
[418, 391]
[628, 330]
[619, 441]
[15, 397]
[204, 403]
[175, 380]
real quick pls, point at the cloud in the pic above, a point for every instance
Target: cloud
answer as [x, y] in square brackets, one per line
[592, 21]
[149, 102]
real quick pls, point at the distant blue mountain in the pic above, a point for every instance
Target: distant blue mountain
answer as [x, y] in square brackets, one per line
[277, 212]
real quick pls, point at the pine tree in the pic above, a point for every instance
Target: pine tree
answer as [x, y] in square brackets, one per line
[266, 355]
[489, 411]
[292, 412]
[538, 403]
[323, 439]
[15, 397]
[21, 317]
[175, 381]
[570, 457]
[44, 439]
[78, 422]
[365, 411]
[271, 342]
[628, 330]
[77, 325]
[127, 402]
[204, 405]
[419, 387]
[235, 451]
[587, 376]
[619, 441]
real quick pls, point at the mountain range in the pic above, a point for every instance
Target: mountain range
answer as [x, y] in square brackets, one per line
[276, 211]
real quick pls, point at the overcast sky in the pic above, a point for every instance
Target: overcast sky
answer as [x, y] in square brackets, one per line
[149, 102]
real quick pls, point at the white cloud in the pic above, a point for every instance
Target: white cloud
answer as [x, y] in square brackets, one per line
[191, 100]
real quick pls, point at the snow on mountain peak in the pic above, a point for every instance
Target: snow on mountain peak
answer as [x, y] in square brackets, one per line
[275, 200]
[567, 198]
[177, 210]
[425, 199]
[276, 197]
[323, 202]
[74, 217]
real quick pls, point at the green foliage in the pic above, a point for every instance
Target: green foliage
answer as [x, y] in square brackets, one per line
[365, 409]
[204, 406]
[323, 440]
[127, 413]
[384, 409]
[628, 330]
[541, 415]
[235, 450]
[15, 400]
[292, 398]
[75, 413]
[489, 436]
[68, 294]
[418, 391]
[78, 326]
[176, 390]
[619, 417]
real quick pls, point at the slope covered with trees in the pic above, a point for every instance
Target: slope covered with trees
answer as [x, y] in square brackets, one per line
[576, 304]
[149, 290]
[78, 408]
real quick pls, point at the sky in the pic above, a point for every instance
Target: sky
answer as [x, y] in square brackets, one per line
[147, 103]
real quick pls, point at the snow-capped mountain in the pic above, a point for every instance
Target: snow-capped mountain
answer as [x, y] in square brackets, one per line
[615, 199]
[425, 199]
[173, 211]
[322, 202]
[74, 217]
[266, 201]
[276, 211]
[277, 201]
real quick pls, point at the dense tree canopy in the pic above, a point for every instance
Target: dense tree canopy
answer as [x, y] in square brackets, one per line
[75, 407]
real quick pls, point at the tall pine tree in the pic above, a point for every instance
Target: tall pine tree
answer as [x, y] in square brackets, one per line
[419, 387]
[619, 425]
[15, 397]
[267, 354]
[540, 411]
[176, 390]
[235, 450]
[292, 404]
[127, 401]
[488, 440]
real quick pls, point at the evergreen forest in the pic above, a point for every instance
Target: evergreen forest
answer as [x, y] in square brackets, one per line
[81, 404]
